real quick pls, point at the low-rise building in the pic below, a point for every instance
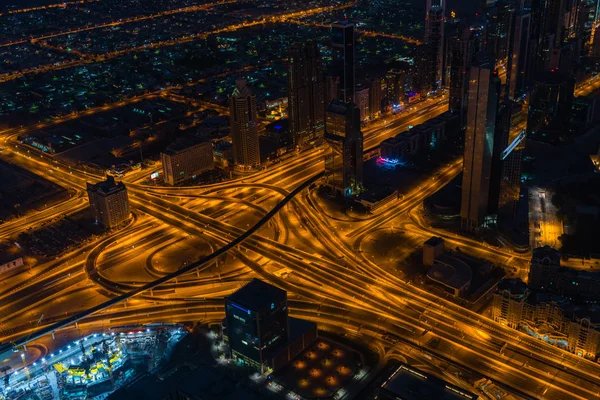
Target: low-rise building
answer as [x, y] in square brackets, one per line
[547, 316]
[546, 273]
[433, 247]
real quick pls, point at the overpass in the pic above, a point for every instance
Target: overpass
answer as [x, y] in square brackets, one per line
[8, 347]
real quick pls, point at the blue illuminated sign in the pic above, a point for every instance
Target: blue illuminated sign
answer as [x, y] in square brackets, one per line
[241, 308]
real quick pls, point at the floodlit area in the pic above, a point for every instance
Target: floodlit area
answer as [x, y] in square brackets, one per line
[94, 366]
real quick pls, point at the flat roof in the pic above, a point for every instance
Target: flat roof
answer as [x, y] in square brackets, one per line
[182, 145]
[409, 383]
[257, 295]
[515, 286]
[451, 270]
[434, 241]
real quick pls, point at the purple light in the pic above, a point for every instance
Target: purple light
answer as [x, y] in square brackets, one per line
[389, 160]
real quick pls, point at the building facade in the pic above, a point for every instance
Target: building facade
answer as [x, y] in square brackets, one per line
[479, 146]
[244, 127]
[343, 45]
[109, 202]
[552, 318]
[257, 323]
[344, 148]
[306, 93]
[183, 161]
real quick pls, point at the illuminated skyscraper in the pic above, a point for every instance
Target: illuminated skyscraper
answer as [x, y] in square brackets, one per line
[109, 202]
[344, 148]
[343, 45]
[479, 145]
[244, 127]
[306, 105]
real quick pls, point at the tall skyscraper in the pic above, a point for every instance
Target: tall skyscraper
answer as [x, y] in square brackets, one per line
[434, 48]
[510, 178]
[257, 323]
[518, 54]
[306, 93]
[344, 148]
[343, 45]
[109, 202]
[501, 134]
[463, 49]
[244, 127]
[503, 28]
[479, 145]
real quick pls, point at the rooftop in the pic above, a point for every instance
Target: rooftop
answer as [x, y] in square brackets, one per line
[182, 145]
[515, 286]
[257, 295]
[338, 107]
[106, 187]
[408, 383]
[451, 271]
[434, 241]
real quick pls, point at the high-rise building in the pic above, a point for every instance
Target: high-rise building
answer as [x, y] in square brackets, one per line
[183, 160]
[306, 93]
[244, 127]
[433, 57]
[108, 202]
[376, 96]
[395, 83]
[257, 322]
[479, 145]
[550, 103]
[344, 148]
[501, 136]
[463, 48]
[518, 55]
[361, 98]
[503, 28]
[332, 88]
[343, 46]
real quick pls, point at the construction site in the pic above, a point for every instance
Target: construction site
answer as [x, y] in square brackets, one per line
[94, 366]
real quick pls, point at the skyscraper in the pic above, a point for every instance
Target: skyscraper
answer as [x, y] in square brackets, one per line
[343, 45]
[244, 127]
[479, 145]
[109, 202]
[433, 56]
[463, 49]
[344, 148]
[518, 54]
[306, 101]
[501, 134]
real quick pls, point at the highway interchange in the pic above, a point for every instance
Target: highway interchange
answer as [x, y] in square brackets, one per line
[332, 281]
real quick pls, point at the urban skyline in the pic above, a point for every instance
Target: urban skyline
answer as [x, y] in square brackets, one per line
[347, 199]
